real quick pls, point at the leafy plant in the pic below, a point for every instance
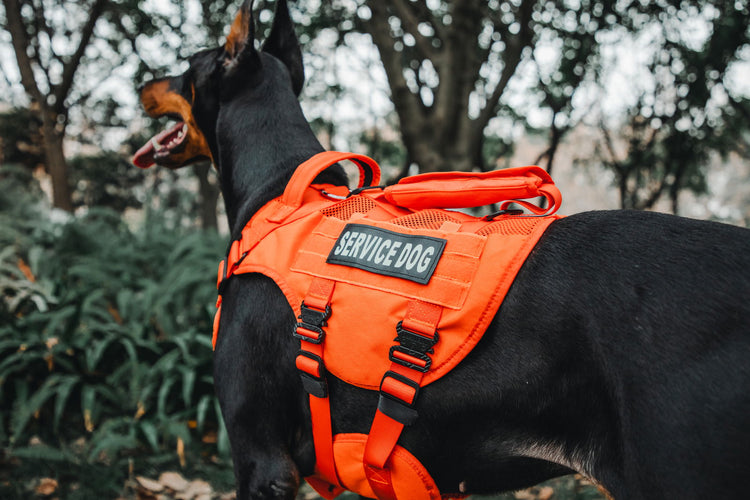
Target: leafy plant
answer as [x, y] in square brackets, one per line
[105, 355]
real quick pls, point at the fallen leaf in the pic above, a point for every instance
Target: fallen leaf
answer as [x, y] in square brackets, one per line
[46, 486]
[196, 490]
[145, 495]
[149, 484]
[174, 481]
[546, 493]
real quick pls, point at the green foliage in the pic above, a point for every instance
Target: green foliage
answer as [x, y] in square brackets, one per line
[107, 180]
[20, 138]
[105, 351]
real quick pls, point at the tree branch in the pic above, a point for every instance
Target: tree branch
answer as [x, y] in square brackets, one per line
[653, 197]
[424, 14]
[69, 68]
[405, 101]
[411, 22]
[41, 25]
[609, 143]
[514, 47]
[556, 135]
[132, 37]
[20, 40]
[6, 80]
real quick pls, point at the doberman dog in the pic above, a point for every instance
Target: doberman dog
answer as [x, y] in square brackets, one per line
[622, 350]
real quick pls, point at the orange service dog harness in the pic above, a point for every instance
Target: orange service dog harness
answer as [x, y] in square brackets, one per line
[430, 277]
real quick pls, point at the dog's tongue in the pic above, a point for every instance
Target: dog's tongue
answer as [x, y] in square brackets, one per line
[144, 157]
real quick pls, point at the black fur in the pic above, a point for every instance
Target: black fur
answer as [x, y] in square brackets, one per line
[621, 350]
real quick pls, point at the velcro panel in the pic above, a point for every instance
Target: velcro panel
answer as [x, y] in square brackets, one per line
[448, 286]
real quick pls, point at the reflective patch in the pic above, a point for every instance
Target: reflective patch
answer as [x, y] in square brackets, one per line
[389, 253]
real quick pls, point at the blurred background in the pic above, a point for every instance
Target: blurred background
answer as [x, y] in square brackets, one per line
[107, 271]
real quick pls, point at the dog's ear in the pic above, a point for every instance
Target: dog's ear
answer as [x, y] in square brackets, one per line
[282, 43]
[239, 49]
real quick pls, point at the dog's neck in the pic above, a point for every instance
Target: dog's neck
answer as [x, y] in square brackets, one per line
[262, 136]
[259, 173]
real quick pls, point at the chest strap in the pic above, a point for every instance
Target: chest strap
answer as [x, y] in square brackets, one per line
[315, 311]
[399, 387]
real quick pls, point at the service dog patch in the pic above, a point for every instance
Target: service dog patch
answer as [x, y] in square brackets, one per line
[408, 256]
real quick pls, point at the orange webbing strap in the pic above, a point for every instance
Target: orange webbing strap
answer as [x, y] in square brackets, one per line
[399, 388]
[549, 192]
[315, 311]
[369, 174]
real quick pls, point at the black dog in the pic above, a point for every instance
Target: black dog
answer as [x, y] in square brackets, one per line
[622, 351]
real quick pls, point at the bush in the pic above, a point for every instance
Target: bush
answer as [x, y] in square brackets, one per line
[105, 350]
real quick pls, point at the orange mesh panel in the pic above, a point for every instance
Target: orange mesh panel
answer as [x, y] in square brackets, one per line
[520, 225]
[345, 209]
[425, 219]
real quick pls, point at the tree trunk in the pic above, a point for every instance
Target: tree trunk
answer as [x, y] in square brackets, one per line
[440, 133]
[49, 102]
[57, 167]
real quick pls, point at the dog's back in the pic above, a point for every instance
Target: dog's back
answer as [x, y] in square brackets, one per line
[664, 304]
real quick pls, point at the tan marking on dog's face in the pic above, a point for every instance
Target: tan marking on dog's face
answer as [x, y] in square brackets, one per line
[159, 99]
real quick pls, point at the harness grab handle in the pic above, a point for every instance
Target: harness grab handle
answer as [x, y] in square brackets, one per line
[369, 174]
[475, 189]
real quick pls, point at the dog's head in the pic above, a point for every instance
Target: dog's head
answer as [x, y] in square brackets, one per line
[215, 96]
[215, 76]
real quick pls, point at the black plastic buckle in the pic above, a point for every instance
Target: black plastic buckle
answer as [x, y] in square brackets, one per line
[314, 317]
[493, 215]
[313, 321]
[315, 386]
[413, 344]
[317, 339]
[395, 407]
